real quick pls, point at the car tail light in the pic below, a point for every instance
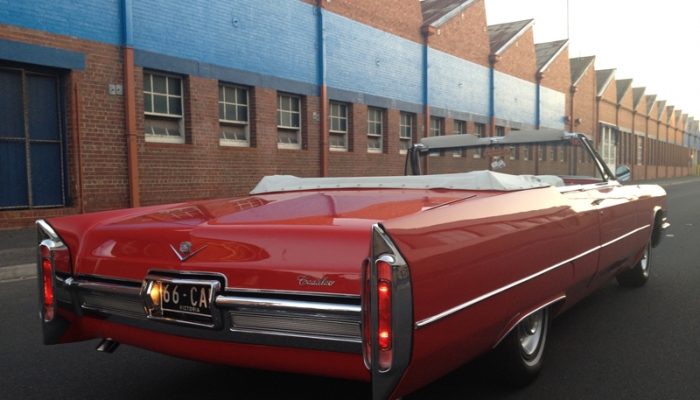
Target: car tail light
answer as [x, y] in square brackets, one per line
[384, 333]
[387, 314]
[384, 301]
[47, 277]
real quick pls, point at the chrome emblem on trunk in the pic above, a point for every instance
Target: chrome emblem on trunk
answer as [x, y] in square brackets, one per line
[311, 281]
[185, 248]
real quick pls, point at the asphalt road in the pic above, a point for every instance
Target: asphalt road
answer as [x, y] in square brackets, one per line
[617, 344]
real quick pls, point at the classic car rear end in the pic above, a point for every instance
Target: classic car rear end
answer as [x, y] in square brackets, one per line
[393, 280]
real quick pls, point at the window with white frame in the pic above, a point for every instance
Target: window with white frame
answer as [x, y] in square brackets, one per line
[527, 152]
[405, 132]
[542, 153]
[233, 116]
[374, 130]
[479, 131]
[607, 146]
[640, 150]
[288, 122]
[435, 130]
[460, 128]
[338, 134]
[553, 153]
[162, 106]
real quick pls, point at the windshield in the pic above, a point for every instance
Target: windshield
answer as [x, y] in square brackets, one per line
[570, 156]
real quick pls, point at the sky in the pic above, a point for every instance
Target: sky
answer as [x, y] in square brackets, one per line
[656, 43]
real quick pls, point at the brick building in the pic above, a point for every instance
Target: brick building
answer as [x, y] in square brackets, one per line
[113, 104]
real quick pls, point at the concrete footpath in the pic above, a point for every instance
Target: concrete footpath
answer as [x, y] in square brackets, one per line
[18, 246]
[17, 253]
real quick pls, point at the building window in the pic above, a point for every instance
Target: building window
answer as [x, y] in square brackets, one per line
[435, 130]
[405, 132]
[607, 146]
[162, 105]
[553, 153]
[640, 150]
[479, 130]
[527, 153]
[374, 130]
[563, 153]
[233, 116]
[500, 131]
[338, 135]
[460, 128]
[288, 122]
[542, 153]
[514, 152]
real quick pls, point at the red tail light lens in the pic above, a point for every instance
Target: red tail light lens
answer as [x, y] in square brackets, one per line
[384, 336]
[384, 289]
[48, 289]
[385, 332]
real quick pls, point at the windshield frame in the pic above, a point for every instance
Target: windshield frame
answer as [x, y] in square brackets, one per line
[533, 137]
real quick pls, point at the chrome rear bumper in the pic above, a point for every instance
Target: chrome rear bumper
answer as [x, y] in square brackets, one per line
[273, 318]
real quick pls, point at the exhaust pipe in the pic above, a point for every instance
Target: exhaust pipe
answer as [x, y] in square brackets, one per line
[107, 346]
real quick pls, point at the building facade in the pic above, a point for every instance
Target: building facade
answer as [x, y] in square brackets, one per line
[105, 105]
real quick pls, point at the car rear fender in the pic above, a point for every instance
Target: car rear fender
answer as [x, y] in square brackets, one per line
[386, 271]
[555, 303]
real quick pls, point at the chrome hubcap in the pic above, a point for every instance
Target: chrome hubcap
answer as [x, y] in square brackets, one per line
[644, 262]
[530, 333]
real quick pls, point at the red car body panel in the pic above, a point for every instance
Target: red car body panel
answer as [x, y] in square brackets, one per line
[257, 242]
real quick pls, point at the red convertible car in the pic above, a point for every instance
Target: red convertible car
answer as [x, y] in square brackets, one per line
[391, 280]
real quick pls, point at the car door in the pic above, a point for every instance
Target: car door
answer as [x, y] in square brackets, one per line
[619, 231]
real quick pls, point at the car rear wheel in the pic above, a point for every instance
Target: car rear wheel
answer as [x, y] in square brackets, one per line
[639, 274]
[520, 354]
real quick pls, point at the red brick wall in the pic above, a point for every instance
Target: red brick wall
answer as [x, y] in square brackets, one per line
[624, 115]
[464, 36]
[585, 104]
[519, 58]
[201, 168]
[640, 120]
[558, 77]
[358, 161]
[101, 127]
[558, 74]
[607, 108]
[653, 123]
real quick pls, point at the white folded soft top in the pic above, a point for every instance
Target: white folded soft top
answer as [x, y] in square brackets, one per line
[475, 180]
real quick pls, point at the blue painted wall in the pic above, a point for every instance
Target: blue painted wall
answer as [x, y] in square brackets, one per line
[366, 60]
[271, 39]
[515, 99]
[98, 20]
[276, 44]
[445, 73]
[552, 108]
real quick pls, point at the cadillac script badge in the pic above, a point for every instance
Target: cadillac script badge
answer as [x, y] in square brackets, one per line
[311, 281]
